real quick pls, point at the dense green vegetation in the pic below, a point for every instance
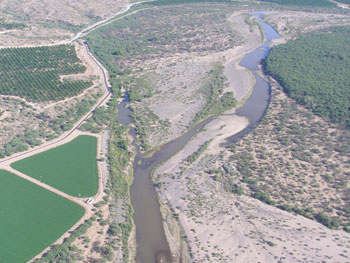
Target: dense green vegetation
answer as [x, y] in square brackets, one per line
[314, 70]
[119, 179]
[140, 88]
[119, 183]
[315, 3]
[216, 100]
[98, 121]
[71, 168]
[34, 73]
[117, 189]
[31, 218]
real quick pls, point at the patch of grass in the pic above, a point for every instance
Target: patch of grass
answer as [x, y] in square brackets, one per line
[66, 252]
[31, 218]
[34, 73]
[71, 168]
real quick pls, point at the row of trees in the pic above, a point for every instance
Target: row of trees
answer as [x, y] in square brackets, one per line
[314, 70]
[34, 73]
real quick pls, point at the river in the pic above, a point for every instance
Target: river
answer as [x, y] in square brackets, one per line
[152, 246]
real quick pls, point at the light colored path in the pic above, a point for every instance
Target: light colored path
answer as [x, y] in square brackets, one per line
[88, 29]
[105, 22]
[65, 138]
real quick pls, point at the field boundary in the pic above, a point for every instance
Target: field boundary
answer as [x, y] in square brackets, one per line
[63, 139]
[72, 134]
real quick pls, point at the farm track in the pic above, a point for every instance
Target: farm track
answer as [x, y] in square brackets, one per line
[68, 134]
[107, 21]
[72, 134]
[104, 99]
[89, 29]
[65, 138]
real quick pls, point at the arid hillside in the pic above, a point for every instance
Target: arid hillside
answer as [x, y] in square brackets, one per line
[49, 21]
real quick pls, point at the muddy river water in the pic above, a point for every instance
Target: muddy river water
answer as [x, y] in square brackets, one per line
[152, 245]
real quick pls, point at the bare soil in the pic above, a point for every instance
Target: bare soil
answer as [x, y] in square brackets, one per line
[52, 22]
[219, 226]
[291, 24]
[179, 78]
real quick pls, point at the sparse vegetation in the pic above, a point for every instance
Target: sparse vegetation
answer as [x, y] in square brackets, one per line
[147, 34]
[295, 161]
[5, 25]
[26, 127]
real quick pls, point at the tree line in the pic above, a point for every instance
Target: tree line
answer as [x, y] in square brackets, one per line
[314, 70]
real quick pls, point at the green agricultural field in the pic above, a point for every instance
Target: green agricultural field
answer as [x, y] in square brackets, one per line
[34, 73]
[71, 168]
[31, 218]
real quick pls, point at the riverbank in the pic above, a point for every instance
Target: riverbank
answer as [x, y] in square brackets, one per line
[211, 140]
[180, 82]
[219, 224]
